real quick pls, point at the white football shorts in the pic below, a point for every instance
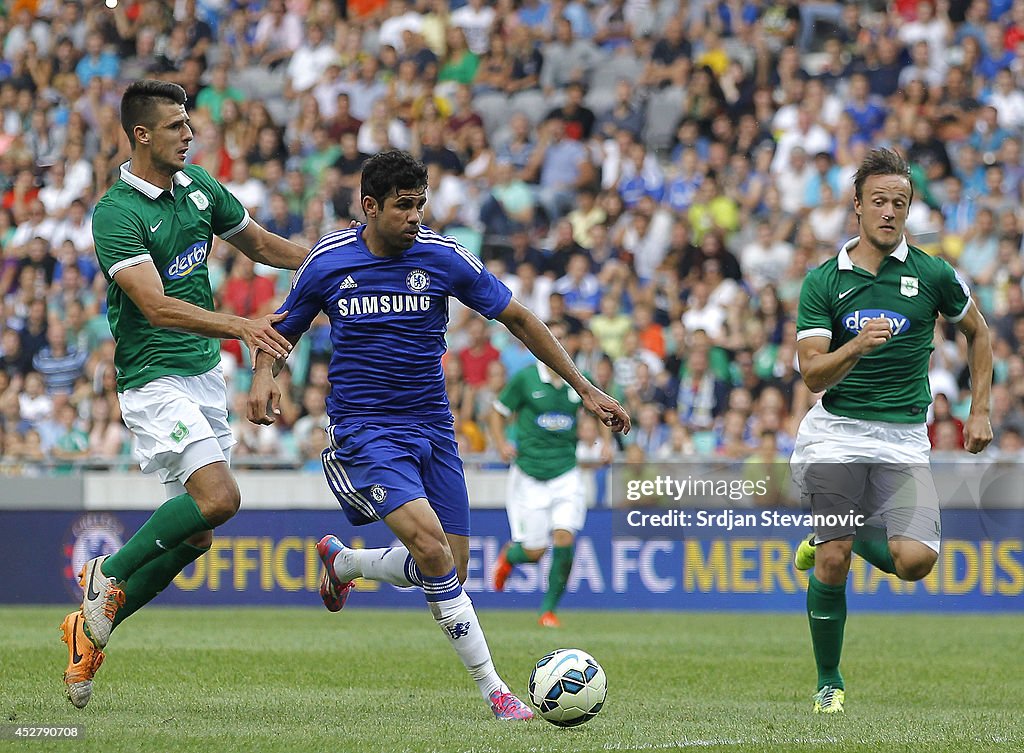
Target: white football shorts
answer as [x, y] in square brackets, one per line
[180, 424]
[536, 508]
[875, 468]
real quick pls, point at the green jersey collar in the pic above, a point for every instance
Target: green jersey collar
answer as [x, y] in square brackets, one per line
[145, 187]
[846, 264]
[548, 377]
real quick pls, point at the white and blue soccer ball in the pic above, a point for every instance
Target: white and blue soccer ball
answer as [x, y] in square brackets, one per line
[568, 687]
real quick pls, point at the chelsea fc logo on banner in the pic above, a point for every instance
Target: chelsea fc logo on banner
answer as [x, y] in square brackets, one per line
[92, 535]
[417, 281]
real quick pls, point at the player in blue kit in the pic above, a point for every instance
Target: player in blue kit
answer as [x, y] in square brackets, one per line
[392, 453]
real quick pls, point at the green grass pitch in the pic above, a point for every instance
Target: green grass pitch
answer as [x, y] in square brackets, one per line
[369, 681]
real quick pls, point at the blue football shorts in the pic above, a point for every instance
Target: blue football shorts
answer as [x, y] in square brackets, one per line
[375, 468]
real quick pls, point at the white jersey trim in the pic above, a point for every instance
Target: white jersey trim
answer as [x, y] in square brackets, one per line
[237, 228]
[146, 188]
[429, 236]
[501, 408]
[327, 243]
[959, 317]
[130, 262]
[814, 332]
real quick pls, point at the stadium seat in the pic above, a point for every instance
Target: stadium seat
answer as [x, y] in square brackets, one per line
[495, 108]
[535, 104]
[607, 74]
[600, 100]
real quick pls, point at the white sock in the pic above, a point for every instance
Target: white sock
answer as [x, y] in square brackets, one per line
[454, 612]
[393, 565]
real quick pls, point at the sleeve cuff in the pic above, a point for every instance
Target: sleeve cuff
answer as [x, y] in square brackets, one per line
[502, 408]
[129, 262]
[237, 228]
[963, 312]
[814, 332]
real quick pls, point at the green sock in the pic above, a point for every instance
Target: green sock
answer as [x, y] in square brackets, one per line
[826, 613]
[872, 545]
[173, 522]
[558, 577]
[153, 577]
[516, 555]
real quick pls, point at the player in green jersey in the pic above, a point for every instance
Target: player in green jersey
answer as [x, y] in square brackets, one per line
[545, 499]
[153, 232]
[864, 337]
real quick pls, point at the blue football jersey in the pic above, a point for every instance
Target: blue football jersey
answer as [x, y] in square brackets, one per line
[388, 320]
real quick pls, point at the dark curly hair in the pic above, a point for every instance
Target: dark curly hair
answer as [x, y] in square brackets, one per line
[388, 172]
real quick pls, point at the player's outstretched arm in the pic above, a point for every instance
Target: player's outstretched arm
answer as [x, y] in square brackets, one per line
[525, 325]
[265, 247]
[821, 369]
[142, 284]
[978, 427]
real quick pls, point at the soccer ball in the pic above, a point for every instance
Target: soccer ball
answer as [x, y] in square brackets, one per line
[568, 687]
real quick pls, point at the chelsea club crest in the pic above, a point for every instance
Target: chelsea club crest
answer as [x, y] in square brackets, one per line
[91, 535]
[417, 281]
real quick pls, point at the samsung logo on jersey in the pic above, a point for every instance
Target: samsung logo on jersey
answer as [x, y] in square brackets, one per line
[383, 304]
[187, 261]
[555, 421]
[855, 322]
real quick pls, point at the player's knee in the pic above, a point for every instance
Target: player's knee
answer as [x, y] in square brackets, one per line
[831, 564]
[534, 554]
[563, 538]
[431, 553]
[917, 567]
[220, 506]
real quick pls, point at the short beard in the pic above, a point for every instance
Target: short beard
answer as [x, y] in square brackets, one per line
[883, 246]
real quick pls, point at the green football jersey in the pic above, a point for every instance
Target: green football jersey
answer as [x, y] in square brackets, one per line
[545, 422]
[136, 222]
[911, 289]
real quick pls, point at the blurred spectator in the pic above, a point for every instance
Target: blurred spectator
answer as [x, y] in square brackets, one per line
[567, 60]
[478, 354]
[475, 19]
[702, 397]
[945, 431]
[610, 325]
[562, 165]
[212, 97]
[98, 62]
[277, 36]
[34, 404]
[59, 363]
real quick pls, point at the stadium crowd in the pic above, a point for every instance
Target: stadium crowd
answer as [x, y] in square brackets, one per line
[653, 178]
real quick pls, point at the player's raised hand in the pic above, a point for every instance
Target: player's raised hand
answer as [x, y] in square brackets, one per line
[259, 334]
[875, 332]
[607, 410]
[977, 433]
[264, 404]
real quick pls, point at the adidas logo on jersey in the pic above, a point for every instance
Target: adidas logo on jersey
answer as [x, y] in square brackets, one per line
[348, 283]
